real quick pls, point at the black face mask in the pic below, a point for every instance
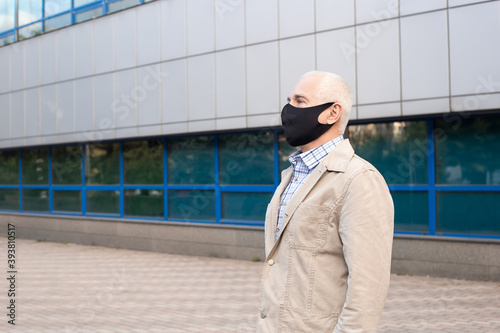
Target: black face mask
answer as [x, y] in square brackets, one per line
[301, 124]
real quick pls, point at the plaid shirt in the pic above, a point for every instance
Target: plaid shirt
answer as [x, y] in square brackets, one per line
[303, 165]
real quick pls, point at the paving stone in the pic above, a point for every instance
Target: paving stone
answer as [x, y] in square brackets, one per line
[73, 288]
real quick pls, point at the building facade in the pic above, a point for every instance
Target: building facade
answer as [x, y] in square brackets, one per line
[156, 124]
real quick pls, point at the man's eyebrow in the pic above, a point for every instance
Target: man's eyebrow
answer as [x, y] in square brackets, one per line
[297, 96]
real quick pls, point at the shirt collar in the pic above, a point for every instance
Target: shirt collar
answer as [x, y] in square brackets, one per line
[312, 157]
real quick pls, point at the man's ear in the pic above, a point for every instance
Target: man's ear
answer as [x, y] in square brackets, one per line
[334, 113]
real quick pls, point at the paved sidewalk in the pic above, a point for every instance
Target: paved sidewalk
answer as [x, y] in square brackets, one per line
[76, 288]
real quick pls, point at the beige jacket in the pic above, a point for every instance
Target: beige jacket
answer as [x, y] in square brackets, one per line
[329, 269]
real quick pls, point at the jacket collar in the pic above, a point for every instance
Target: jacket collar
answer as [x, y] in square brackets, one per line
[338, 159]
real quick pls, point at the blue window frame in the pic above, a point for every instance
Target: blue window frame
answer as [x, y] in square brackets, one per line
[48, 15]
[410, 198]
[424, 206]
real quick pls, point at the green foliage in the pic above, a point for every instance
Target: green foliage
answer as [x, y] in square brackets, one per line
[143, 162]
[102, 163]
[246, 158]
[191, 160]
[67, 165]
[36, 166]
[9, 167]
[397, 149]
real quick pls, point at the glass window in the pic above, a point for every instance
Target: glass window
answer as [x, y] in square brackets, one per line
[88, 15]
[103, 202]
[468, 212]
[36, 166]
[285, 150]
[121, 4]
[144, 203]
[57, 22]
[67, 201]
[67, 165]
[29, 11]
[36, 200]
[102, 163]
[411, 211]
[9, 167]
[79, 3]
[245, 206]
[191, 160]
[191, 205]
[143, 162]
[7, 40]
[30, 31]
[53, 7]
[467, 150]
[7, 15]
[246, 158]
[398, 150]
[9, 199]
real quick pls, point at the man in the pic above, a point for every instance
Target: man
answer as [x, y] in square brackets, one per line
[329, 225]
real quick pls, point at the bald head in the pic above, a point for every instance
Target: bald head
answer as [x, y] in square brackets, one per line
[329, 87]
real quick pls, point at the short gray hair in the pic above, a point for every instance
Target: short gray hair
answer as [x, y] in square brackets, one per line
[333, 88]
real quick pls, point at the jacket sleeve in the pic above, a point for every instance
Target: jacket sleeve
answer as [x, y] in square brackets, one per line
[366, 229]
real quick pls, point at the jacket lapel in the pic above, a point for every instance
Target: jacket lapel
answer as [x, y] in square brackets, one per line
[291, 206]
[336, 161]
[286, 176]
[299, 196]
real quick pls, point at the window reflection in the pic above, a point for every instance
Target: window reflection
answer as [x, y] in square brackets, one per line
[37, 16]
[88, 15]
[144, 203]
[191, 160]
[143, 162]
[103, 202]
[29, 11]
[9, 167]
[67, 165]
[67, 201]
[36, 166]
[102, 163]
[191, 205]
[58, 22]
[285, 150]
[30, 31]
[7, 15]
[7, 40]
[398, 149]
[468, 212]
[246, 158]
[53, 7]
[9, 199]
[411, 211]
[79, 3]
[36, 200]
[467, 150]
[121, 4]
[245, 206]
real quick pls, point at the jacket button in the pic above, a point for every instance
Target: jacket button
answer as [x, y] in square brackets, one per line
[271, 262]
[263, 315]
